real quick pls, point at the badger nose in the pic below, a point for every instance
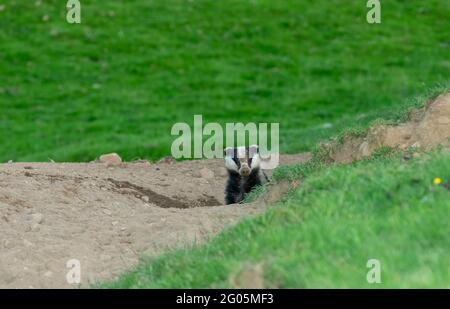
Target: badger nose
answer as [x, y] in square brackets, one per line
[245, 171]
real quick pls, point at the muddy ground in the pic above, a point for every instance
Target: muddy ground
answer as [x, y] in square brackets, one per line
[107, 217]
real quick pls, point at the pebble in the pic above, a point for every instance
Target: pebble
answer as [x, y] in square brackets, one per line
[206, 173]
[48, 274]
[27, 243]
[36, 218]
[7, 244]
[167, 160]
[110, 159]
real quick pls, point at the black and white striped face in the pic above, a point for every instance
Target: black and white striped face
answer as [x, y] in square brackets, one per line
[242, 159]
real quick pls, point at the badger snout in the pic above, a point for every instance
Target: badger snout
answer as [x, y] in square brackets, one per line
[244, 170]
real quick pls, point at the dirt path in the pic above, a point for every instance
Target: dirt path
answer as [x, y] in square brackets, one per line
[106, 216]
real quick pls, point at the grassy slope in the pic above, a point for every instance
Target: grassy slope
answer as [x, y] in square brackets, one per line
[122, 78]
[324, 233]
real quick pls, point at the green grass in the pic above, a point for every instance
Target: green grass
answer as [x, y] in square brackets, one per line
[122, 78]
[324, 233]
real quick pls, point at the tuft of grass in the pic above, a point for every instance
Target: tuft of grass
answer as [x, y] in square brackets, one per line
[297, 171]
[257, 192]
[384, 152]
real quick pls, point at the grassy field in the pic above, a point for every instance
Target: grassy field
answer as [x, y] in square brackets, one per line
[323, 234]
[122, 78]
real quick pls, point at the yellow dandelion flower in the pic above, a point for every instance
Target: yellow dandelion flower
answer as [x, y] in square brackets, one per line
[437, 181]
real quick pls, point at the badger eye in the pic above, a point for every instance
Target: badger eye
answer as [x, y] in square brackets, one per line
[250, 162]
[236, 160]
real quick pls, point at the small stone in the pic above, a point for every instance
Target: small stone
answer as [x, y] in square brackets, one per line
[407, 156]
[114, 223]
[35, 218]
[407, 136]
[145, 198]
[167, 160]
[206, 173]
[48, 274]
[107, 212]
[251, 277]
[7, 244]
[110, 159]
[364, 149]
[140, 161]
[27, 243]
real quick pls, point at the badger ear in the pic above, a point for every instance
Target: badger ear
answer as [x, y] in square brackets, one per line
[253, 149]
[228, 152]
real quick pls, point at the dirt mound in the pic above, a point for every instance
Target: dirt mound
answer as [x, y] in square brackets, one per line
[106, 216]
[425, 129]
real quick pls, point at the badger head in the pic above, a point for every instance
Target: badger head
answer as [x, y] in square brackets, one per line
[242, 160]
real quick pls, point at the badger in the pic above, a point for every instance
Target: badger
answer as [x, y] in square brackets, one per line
[244, 172]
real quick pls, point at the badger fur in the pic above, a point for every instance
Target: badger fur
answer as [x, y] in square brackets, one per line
[244, 172]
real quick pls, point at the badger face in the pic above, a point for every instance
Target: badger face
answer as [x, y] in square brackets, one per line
[242, 160]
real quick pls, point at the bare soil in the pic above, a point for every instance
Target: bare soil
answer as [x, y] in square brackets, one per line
[108, 216]
[426, 128]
